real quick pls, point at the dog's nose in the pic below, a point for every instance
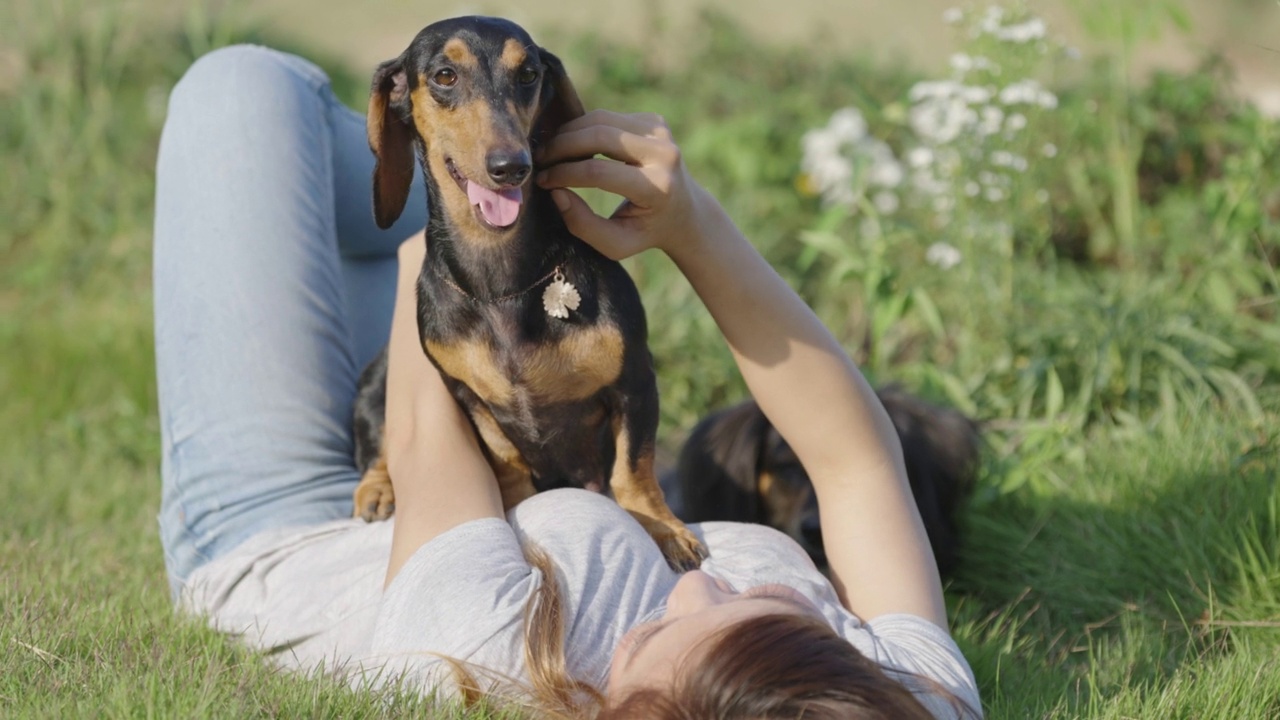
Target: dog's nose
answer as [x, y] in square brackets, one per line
[509, 168]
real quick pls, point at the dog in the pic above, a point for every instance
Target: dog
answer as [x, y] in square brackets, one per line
[735, 466]
[540, 338]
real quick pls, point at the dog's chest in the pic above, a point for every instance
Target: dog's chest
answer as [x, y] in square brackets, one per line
[504, 373]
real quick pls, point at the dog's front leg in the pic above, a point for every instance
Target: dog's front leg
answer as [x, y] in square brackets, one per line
[635, 488]
[515, 480]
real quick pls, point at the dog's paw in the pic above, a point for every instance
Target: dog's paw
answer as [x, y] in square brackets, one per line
[374, 498]
[682, 549]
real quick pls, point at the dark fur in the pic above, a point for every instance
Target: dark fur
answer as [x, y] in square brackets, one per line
[720, 468]
[564, 443]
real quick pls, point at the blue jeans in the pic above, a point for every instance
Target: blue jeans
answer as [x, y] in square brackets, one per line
[273, 289]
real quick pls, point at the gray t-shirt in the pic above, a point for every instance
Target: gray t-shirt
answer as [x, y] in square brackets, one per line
[313, 597]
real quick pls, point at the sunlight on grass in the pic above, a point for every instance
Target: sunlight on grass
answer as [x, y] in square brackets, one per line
[1123, 551]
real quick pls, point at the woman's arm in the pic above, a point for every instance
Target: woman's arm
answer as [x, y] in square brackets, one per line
[440, 476]
[803, 380]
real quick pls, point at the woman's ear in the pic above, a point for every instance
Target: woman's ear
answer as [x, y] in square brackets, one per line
[390, 129]
[560, 102]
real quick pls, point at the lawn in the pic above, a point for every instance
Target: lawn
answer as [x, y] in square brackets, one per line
[1093, 273]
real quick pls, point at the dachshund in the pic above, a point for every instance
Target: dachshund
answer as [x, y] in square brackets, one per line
[541, 339]
[735, 466]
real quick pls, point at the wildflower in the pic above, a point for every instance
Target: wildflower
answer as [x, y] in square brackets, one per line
[835, 156]
[942, 255]
[953, 16]
[992, 117]
[1042, 196]
[1017, 121]
[919, 157]
[1028, 92]
[1049, 150]
[1022, 33]
[886, 202]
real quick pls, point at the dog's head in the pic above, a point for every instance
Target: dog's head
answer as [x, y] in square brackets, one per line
[474, 95]
[736, 466]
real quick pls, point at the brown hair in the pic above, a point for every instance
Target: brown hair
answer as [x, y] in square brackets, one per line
[774, 666]
[551, 691]
[782, 666]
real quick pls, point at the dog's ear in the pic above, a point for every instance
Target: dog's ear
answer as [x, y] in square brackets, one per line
[719, 466]
[390, 131]
[560, 102]
[942, 451]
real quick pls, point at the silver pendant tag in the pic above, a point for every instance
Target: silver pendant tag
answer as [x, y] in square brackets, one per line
[560, 297]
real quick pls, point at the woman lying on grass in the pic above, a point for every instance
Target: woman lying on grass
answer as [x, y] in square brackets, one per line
[273, 288]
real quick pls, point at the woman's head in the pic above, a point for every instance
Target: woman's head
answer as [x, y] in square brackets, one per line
[764, 653]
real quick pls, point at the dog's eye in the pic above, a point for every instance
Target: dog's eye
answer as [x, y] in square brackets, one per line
[527, 76]
[445, 77]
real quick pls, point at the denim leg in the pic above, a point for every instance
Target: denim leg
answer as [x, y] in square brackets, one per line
[270, 291]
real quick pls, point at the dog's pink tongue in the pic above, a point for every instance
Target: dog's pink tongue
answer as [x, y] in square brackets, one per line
[499, 207]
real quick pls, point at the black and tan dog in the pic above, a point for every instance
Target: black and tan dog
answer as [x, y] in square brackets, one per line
[541, 339]
[735, 466]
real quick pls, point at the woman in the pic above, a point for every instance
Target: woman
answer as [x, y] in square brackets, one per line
[273, 289]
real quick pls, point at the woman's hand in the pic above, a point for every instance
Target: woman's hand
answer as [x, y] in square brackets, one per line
[662, 206]
[440, 476]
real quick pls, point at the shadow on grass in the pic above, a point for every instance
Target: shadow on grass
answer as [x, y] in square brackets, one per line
[1164, 557]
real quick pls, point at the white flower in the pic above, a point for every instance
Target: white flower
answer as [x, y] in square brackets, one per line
[1042, 196]
[972, 189]
[942, 255]
[919, 157]
[1049, 150]
[885, 170]
[1023, 92]
[1033, 29]
[995, 194]
[1017, 121]
[952, 16]
[847, 124]
[992, 20]
[886, 202]
[992, 117]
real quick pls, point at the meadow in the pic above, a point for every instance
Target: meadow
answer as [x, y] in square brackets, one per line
[1086, 263]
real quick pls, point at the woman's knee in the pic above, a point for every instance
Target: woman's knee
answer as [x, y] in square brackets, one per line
[246, 81]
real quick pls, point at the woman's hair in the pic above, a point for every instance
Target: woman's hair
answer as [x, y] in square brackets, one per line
[782, 666]
[774, 666]
[551, 691]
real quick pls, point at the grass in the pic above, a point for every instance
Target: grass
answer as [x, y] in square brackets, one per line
[1123, 556]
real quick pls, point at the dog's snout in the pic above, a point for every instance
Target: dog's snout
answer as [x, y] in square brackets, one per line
[509, 168]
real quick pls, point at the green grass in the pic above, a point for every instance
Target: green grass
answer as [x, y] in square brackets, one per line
[1123, 556]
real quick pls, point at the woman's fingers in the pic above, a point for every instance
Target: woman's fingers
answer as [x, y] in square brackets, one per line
[618, 178]
[609, 236]
[613, 142]
[645, 124]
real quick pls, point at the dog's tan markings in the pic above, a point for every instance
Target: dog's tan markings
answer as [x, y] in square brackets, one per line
[457, 50]
[374, 497]
[765, 483]
[513, 54]
[515, 480]
[471, 362]
[573, 369]
[464, 134]
[636, 490]
[576, 367]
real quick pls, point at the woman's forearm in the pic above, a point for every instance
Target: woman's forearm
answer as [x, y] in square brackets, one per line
[819, 401]
[801, 377]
